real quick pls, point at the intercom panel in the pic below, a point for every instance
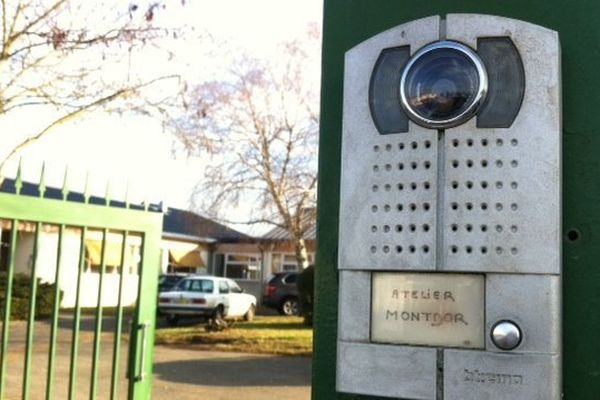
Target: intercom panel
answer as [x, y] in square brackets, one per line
[450, 214]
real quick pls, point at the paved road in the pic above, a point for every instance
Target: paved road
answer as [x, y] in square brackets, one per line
[181, 373]
[187, 374]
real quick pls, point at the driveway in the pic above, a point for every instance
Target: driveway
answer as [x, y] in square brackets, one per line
[179, 372]
[186, 374]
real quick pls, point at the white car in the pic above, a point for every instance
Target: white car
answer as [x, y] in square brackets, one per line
[206, 296]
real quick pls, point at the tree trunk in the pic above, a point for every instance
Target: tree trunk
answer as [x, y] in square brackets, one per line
[301, 254]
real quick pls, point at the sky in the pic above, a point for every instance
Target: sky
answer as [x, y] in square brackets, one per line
[134, 150]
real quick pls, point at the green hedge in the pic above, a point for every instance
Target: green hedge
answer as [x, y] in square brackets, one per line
[20, 297]
[306, 292]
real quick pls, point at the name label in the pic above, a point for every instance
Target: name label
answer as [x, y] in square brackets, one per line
[428, 309]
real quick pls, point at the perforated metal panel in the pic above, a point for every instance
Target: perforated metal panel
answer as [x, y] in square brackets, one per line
[502, 186]
[495, 192]
[389, 183]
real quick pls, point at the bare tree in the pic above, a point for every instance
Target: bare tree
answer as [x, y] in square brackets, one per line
[62, 58]
[260, 122]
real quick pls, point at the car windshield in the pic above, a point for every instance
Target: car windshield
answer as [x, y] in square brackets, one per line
[168, 279]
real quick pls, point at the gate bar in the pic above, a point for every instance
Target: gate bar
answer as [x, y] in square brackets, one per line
[55, 313]
[98, 332]
[31, 321]
[77, 318]
[7, 302]
[114, 384]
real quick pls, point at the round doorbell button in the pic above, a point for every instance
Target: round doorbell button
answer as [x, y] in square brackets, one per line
[506, 335]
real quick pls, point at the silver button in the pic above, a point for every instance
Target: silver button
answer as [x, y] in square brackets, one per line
[506, 335]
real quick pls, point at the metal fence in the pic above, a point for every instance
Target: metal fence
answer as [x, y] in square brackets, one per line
[48, 236]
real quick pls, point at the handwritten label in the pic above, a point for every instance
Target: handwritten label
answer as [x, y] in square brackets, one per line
[428, 309]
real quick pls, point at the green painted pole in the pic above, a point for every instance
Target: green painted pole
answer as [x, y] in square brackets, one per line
[7, 303]
[114, 383]
[98, 330]
[347, 23]
[55, 314]
[77, 320]
[31, 319]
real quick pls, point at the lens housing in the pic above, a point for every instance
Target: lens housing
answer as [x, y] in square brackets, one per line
[443, 85]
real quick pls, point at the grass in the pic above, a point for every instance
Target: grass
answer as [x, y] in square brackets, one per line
[264, 335]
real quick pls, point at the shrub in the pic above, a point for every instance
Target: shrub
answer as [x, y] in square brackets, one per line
[20, 297]
[306, 292]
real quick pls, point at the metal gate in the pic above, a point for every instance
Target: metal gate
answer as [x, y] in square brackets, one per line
[85, 233]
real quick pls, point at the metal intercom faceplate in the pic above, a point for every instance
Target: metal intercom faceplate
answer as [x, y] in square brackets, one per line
[469, 201]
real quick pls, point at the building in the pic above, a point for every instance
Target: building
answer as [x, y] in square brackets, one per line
[190, 243]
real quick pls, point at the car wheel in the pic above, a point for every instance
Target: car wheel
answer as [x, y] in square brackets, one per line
[172, 320]
[289, 306]
[249, 316]
[219, 313]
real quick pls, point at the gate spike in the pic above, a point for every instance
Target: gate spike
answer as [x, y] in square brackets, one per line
[19, 178]
[42, 185]
[108, 192]
[86, 190]
[65, 188]
[127, 200]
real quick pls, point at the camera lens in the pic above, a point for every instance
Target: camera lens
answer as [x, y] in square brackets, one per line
[443, 85]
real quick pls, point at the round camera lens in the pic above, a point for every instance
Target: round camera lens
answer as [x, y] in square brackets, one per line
[443, 85]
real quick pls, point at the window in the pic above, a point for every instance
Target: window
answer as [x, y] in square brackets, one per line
[233, 287]
[183, 285]
[237, 266]
[202, 286]
[286, 262]
[223, 288]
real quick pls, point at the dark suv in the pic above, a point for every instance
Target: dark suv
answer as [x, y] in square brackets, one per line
[281, 293]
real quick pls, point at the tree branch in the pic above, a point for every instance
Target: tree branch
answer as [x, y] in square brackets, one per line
[78, 111]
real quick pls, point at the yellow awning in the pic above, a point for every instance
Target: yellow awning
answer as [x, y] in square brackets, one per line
[94, 252]
[186, 257]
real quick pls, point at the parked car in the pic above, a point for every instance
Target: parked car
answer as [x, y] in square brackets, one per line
[206, 296]
[281, 293]
[167, 281]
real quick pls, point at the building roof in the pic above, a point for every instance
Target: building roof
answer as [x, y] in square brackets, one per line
[187, 223]
[281, 234]
[178, 224]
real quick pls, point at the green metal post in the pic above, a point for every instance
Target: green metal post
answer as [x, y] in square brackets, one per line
[77, 319]
[98, 331]
[7, 303]
[114, 384]
[347, 23]
[55, 313]
[31, 319]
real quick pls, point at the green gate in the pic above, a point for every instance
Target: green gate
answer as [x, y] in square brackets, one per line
[73, 226]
